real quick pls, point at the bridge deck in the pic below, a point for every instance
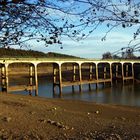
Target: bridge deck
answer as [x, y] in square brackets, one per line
[63, 60]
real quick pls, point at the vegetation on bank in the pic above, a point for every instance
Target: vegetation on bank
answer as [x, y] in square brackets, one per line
[19, 53]
[124, 55]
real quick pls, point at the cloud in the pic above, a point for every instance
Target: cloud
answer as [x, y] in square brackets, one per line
[91, 47]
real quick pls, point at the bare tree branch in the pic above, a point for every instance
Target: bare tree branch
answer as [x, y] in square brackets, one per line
[47, 20]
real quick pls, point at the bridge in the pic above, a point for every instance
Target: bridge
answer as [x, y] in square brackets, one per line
[81, 71]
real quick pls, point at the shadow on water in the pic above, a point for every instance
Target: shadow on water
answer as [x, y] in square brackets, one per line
[128, 94]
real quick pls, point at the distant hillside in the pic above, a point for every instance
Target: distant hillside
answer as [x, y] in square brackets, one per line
[52, 54]
[10, 52]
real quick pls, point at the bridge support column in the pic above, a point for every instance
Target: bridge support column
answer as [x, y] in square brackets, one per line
[4, 78]
[96, 75]
[7, 77]
[54, 77]
[116, 72]
[90, 74]
[60, 81]
[80, 78]
[122, 72]
[3, 81]
[133, 73]
[110, 73]
[126, 71]
[30, 78]
[36, 79]
[74, 76]
[104, 74]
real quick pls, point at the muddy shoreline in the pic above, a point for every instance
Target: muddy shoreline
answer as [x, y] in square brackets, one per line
[35, 118]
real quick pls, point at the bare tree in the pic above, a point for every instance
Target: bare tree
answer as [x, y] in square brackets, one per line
[128, 53]
[47, 20]
[107, 55]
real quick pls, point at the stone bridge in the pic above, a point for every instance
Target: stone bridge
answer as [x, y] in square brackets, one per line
[83, 71]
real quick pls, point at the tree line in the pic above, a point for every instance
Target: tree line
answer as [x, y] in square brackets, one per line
[124, 55]
[19, 53]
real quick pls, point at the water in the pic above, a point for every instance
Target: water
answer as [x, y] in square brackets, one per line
[117, 94]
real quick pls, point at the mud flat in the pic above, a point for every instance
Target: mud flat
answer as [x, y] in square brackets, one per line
[34, 118]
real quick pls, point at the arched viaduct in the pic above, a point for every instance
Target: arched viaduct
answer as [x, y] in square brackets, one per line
[83, 71]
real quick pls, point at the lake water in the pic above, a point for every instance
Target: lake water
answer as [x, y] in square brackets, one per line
[128, 94]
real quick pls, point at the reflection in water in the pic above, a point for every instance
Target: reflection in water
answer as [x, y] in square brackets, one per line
[117, 94]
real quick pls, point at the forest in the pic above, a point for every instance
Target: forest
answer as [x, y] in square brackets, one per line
[20, 53]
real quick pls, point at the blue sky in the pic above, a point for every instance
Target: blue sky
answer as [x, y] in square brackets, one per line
[92, 47]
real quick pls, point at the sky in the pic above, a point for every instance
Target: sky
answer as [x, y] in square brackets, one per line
[91, 47]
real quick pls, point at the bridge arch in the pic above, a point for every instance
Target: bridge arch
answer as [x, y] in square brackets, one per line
[127, 69]
[88, 70]
[136, 67]
[116, 70]
[19, 68]
[70, 71]
[16, 73]
[104, 70]
[46, 68]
